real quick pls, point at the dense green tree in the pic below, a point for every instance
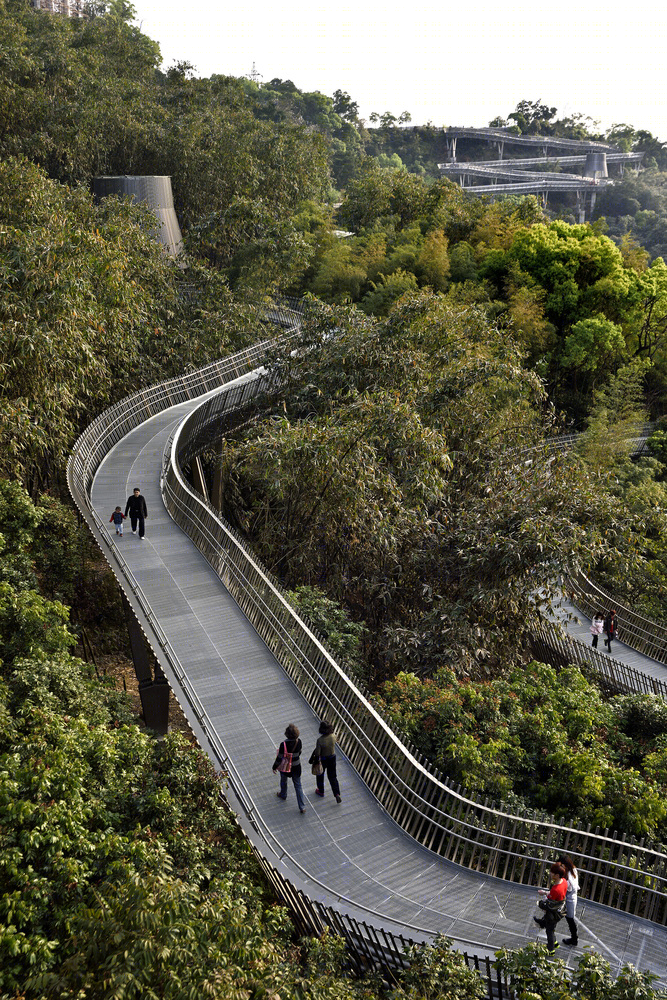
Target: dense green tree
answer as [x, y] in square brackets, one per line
[91, 308]
[432, 264]
[390, 287]
[647, 324]
[19, 519]
[541, 739]
[594, 345]
[343, 637]
[155, 935]
[367, 198]
[352, 497]
[254, 247]
[438, 973]
[581, 272]
[532, 973]
[345, 107]
[616, 416]
[447, 575]
[533, 117]
[338, 277]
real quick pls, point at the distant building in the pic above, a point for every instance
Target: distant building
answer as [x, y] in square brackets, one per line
[69, 8]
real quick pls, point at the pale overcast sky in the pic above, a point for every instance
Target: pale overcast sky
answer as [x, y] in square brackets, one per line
[461, 63]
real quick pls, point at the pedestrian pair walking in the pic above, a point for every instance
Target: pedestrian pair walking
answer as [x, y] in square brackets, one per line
[136, 507]
[608, 625]
[560, 901]
[322, 761]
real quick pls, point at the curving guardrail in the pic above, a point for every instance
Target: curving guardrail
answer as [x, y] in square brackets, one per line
[418, 797]
[621, 873]
[635, 631]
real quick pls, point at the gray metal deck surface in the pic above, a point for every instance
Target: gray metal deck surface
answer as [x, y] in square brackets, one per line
[350, 856]
[577, 625]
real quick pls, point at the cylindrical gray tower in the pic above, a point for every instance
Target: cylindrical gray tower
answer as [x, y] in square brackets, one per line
[153, 191]
[596, 164]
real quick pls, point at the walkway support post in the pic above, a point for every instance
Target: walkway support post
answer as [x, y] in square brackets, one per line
[216, 490]
[198, 478]
[153, 685]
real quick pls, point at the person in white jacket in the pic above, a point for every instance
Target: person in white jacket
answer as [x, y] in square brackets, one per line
[571, 898]
[596, 628]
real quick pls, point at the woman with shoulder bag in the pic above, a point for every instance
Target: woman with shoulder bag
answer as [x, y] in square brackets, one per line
[571, 898]
[325, 752]
[596, 628]
[553, 904]
[288, 763]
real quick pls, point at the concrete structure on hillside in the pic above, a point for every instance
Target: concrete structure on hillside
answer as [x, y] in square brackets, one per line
[154, 191]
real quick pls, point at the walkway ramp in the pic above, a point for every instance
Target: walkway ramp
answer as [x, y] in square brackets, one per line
[577, 625]
[351, 856]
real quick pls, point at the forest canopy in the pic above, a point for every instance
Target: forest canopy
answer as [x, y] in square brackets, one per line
[386, 485]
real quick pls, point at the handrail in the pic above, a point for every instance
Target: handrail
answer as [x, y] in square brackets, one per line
[418, 797]
[636, 631]
[368, 943]
[412, 792]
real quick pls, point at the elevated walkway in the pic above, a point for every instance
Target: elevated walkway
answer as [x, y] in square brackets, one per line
[353, 858]
[508, 171]
[513, 177]
[616, 159]
[500, 136]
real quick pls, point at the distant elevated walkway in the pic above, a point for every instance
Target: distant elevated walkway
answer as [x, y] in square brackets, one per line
[509, 171]
[515, 178]
[499, 137]
[527, 163]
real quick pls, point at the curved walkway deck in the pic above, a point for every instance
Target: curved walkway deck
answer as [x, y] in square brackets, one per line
[577, 625]
[351, 856]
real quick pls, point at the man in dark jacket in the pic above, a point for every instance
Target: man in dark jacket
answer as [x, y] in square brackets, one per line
[136, 505]
[610, 628]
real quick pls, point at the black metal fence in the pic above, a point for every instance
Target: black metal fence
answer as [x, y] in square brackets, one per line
[425, 803]
[634, 630]
[621, 873]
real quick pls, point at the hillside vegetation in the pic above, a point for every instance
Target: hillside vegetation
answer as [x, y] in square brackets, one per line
[386, 487]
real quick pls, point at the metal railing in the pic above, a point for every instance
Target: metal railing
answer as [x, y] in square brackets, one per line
[561, 650]
[418, 797]
[639, 633]
[621, 873]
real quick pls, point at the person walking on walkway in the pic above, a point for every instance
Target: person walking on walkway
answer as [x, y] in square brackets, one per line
[596, 628]
[571, 898]
[553, 905]
[325, 750]
[136, 505]
[288, 763]
[610, 628]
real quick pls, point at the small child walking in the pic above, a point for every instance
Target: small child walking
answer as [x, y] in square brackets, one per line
[118, 517]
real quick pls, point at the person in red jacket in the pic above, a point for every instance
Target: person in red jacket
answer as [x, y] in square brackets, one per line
[553, 905]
